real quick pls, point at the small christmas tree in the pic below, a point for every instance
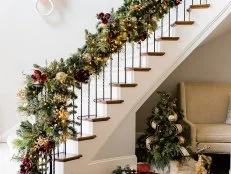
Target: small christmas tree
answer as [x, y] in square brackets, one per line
[165, 138]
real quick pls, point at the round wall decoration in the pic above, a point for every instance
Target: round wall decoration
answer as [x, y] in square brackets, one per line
[44, 7]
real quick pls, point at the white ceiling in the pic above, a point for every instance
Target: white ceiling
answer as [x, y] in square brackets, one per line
[222, 29]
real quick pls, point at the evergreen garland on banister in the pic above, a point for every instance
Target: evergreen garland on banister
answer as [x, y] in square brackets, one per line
[48, 96]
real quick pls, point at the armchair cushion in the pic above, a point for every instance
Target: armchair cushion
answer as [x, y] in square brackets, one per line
[228, 120]
[210, 133]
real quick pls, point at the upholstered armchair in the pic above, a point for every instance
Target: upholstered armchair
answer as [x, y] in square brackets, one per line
[205, 107]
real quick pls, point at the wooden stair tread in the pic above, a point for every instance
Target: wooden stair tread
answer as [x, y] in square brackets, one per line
[164, 38]
[86, 137]
[184, 22]
[153, 54]
[109, 101]
[200, 6]
[62, 157]
[95, 119]
[137, 69]
[123, 85]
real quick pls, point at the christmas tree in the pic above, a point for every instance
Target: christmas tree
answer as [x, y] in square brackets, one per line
[165, 139]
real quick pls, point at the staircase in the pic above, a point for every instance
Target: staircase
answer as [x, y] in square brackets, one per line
[108, 103]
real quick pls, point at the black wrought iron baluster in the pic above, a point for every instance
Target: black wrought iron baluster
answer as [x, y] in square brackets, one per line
[200, 2]
[154, 46]
[118, 67]
[89, 98]
[133, 54]
[40, 167]
[169, 23]
[96, 96]
[140, 55]
[177, 12]
[103, 82]
[73, 107]
[45, 162]
[53, 161]
[192, 2]
[125, 63]
[162, 27]
[184, 10]
[65, 148]
[58, 149]
[81, 111]
[147, 43]
[111, 77]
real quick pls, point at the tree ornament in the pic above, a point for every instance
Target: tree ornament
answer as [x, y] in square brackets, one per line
[60, 99]
[179, 128]
[61, 76]
[63, 115]
[150, 140]
[173, 118]
[156, 110]
[64, 137]
[181, 140]
[153, 124]
[82, 75]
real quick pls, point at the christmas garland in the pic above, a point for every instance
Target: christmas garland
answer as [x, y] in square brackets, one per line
[125, 170]
[48, 95]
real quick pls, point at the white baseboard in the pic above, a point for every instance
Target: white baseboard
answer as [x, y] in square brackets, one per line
[106, 166]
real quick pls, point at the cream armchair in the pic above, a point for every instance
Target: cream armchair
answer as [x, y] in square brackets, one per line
[205, 107]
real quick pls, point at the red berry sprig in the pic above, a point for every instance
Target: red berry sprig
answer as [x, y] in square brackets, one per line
[104, 17]
[39, 77]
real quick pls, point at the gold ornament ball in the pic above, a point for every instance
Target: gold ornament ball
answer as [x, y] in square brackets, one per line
[173, 117]
[61, 76]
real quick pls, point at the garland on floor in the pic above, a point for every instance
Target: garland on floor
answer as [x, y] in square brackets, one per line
[125, 170]
[166, 137]
[48, 96]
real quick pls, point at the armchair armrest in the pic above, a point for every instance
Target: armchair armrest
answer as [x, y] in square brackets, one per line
[192, 134]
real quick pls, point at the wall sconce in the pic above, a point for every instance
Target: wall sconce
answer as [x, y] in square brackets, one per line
[44, 7]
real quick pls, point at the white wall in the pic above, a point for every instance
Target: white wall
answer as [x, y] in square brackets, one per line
[27, 38]
[126, 146]
[208, 63]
